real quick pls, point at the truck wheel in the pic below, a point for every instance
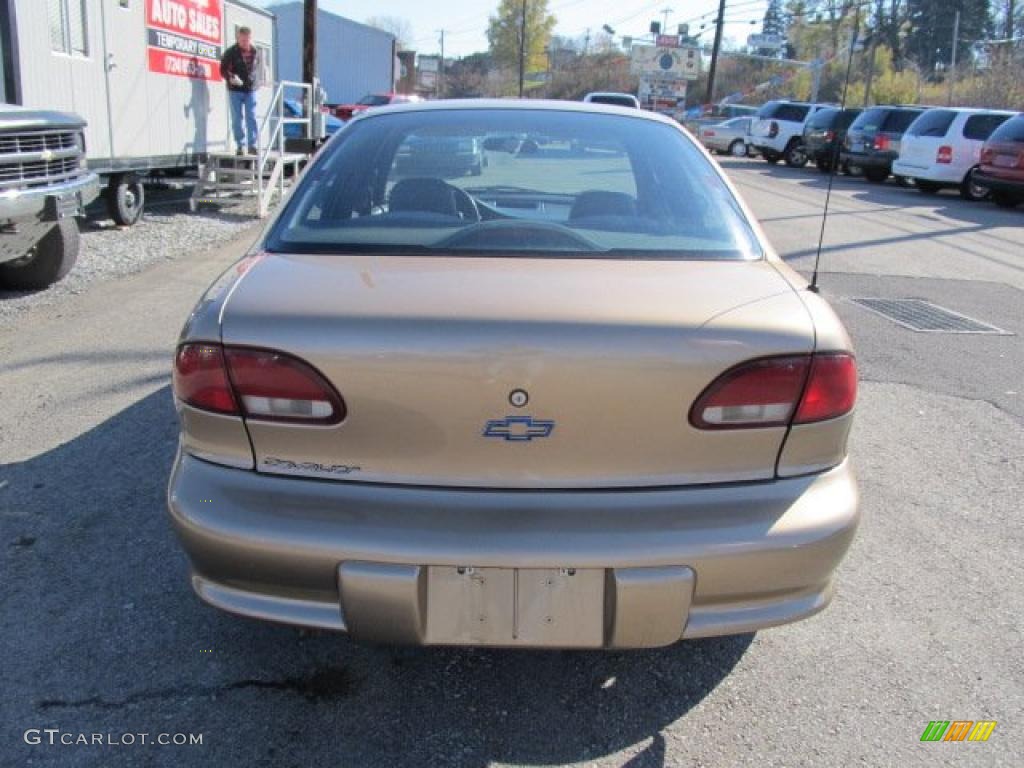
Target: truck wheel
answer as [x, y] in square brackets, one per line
[738, 148]
[50, 260]
[971, 190]
[876, 175]
[126, 198]
[796, 154]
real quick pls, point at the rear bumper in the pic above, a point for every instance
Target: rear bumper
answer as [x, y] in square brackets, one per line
[708, 560]
[864, 160]
[948, 175]
[999, 184]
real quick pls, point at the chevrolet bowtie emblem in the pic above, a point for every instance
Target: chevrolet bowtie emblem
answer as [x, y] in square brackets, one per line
[46, 155]
[519, 428]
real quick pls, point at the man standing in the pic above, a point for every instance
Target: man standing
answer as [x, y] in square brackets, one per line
[239, 67]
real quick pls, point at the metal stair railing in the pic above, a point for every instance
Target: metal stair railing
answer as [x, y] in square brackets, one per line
[275, 119]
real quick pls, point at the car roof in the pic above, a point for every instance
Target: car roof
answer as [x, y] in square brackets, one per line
[526, 105]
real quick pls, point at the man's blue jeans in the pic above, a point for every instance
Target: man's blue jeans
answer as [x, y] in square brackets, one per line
[244, 101]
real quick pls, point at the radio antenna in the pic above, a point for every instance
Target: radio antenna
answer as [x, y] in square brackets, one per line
[834, 160]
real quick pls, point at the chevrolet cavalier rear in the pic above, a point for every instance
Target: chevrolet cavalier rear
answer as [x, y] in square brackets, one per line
[573, 401]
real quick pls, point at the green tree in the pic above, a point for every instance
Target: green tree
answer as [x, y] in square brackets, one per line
[505, 30]
[930, 39]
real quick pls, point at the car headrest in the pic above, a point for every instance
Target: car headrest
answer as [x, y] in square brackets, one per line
[423, 195]
[597, 202]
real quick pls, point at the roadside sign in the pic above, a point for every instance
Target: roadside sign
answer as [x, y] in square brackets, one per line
[682, 63]
[667, 41]
[184, 38]
[771, 42]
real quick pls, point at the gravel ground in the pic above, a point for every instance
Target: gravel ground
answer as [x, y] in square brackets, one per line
[167, 231]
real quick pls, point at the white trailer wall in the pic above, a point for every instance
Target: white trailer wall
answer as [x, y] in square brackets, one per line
[101, 70]
[352, 59]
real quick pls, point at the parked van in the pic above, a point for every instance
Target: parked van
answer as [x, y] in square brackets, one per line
[942, 148]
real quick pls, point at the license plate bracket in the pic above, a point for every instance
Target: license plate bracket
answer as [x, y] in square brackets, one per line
[553, 607]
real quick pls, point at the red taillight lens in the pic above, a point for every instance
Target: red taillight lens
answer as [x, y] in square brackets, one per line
[773, 129]
[201, 380]
[272, 386]
[776, 391]
[761, 393]
[944, 155]
[881, 143]
[259, 384]
[831, 389]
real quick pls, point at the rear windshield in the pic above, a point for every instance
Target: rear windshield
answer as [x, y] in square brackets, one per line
[509, 181]
[1012, 130]
[776, 110]
[898, 120]
[980, 127]
[846, 118]
[934, 123]
[824, 118]
[613, 99]
[869, 120]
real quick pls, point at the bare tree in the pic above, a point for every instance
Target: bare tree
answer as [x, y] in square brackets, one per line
[397, 26]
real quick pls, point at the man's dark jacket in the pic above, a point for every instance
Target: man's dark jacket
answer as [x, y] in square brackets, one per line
[233, 63]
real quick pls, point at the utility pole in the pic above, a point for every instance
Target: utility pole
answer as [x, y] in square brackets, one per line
[871, 54]
[719, 23]
[586, 43]
[309, 58]
[665, 12]
[440, 69]
[952, 59]
[522, 50]
[309, 41]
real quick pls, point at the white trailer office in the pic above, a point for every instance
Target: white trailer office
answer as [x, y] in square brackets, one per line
[145, 75]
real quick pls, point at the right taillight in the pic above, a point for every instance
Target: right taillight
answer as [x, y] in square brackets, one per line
[259, 384]
[778, 391]
[881, 143]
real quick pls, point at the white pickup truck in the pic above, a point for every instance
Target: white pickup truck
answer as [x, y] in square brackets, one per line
[44, 185]
[778, 129]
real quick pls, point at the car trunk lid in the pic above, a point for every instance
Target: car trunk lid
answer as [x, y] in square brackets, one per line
[434, 357]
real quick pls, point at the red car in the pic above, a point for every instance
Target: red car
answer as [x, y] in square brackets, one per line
[370, 100]
[1002, 163]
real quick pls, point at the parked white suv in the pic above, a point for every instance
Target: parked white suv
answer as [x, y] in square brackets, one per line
[778, 131]
[942, 148]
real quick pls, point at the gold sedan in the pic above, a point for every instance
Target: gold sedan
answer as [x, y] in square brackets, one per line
[567, 398]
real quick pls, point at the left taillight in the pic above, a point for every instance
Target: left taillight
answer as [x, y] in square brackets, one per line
[944, 155]
[778, 391]
[201, 378]
[259, 384]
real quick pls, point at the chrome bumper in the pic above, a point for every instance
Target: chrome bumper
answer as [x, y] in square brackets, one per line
[396, 564]
[51, 202]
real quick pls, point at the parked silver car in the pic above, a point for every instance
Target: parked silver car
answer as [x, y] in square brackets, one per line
[729, 137]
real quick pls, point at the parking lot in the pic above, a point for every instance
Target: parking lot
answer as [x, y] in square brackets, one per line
[103, 635]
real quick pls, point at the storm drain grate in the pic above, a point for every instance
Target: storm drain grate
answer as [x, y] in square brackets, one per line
[925, 317]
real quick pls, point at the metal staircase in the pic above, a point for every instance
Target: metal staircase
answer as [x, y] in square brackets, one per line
[266, 174]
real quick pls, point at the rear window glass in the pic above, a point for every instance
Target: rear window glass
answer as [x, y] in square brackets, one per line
[823, 118]
[792, 112]
[870, 120]
[846, 117]
[1011, 130]
[500, 181]
[980, 127]
[614, 100]
[934, 123]
[898, 120]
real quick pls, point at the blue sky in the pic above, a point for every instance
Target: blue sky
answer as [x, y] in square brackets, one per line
[465, 21]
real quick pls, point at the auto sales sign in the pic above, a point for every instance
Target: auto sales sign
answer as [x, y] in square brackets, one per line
[185, 37]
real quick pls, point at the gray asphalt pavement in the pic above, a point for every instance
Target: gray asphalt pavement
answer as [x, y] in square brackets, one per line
[101, 633]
